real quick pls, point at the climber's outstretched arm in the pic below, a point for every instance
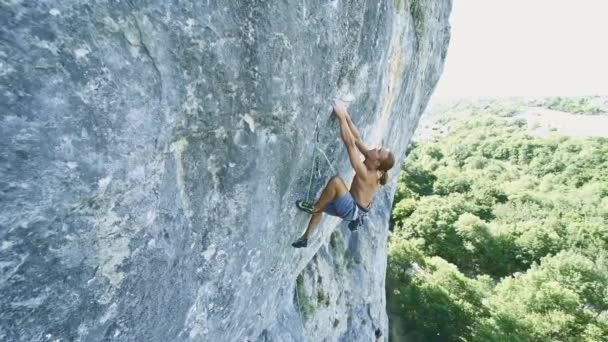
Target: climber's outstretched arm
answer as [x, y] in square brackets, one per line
[350, 142]
[341, 106]
[360, 145]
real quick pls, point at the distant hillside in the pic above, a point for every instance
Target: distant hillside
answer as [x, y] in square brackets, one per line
[568, 116]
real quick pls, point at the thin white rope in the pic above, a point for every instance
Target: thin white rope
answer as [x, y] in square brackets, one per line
[300, 312]
[328, 162]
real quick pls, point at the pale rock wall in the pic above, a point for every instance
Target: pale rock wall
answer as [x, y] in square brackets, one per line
[151, 153]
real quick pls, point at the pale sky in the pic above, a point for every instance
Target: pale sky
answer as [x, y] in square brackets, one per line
[526, 48]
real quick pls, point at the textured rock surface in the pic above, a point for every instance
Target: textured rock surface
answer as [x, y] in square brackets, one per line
[151, 152]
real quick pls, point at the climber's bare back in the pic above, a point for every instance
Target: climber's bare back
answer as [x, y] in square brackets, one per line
[364, 188]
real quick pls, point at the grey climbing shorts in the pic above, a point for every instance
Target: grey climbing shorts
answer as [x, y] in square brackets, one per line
[344, 207]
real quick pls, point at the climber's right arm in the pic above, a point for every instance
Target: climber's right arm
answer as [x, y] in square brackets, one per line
[360, 145]
[351, 146]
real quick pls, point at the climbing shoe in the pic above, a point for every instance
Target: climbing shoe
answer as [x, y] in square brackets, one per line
[378, 333]
[301, 242]
[305, 206]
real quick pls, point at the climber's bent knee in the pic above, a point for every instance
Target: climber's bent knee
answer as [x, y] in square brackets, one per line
[337, 180]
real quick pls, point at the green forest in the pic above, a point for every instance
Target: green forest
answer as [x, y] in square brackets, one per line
[498, 235]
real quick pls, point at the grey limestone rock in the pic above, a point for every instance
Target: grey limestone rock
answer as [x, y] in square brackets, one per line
[151, 153]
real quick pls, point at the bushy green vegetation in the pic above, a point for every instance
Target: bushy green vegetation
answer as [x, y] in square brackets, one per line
[343, 256]
[322, 297]
[580, 105]
[500, 236]
[306, 304]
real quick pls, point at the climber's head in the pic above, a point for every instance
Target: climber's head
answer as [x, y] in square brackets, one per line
[380, 159]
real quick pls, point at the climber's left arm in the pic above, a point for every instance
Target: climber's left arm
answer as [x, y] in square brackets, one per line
[351, 147]
[353, 129]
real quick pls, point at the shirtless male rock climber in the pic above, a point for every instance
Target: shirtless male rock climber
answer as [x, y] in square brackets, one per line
[336, 199]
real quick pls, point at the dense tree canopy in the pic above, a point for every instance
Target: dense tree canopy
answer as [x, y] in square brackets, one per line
[501, 236]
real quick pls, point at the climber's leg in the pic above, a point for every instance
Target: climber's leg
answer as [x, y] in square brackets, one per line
[335, 188]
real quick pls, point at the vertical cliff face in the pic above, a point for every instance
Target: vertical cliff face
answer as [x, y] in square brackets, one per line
[151, 153]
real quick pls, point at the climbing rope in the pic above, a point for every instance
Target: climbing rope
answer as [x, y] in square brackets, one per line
[314, 159]
[300, 311]
[328, 162]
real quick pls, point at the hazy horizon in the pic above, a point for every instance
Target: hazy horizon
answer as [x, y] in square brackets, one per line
[523, 48]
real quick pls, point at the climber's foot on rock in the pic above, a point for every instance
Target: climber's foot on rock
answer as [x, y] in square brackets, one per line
[378, 333]
[301, 242]
[305, 206]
